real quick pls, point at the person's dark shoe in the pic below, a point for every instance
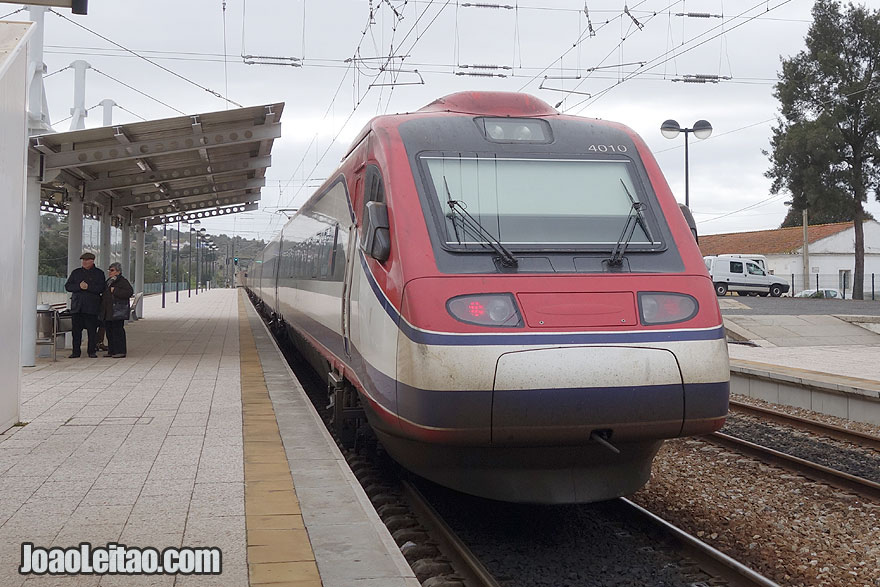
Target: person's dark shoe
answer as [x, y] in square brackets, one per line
[93, 355]
[108, 355]
[74, 356]
[103, 347]
[119, 356]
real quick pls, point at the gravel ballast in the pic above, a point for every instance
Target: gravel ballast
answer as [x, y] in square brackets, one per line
[788, 528]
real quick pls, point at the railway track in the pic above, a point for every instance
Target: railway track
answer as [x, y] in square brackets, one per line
[829, 430]
[475, 574]
[828, 474]
[441, 559]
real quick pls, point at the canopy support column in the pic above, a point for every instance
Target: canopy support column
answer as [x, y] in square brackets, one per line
[139, 266]
[30, 264]
[75, 232]
[126, 248]
[104, 250]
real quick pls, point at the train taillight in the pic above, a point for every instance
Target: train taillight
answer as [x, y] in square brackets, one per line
[666, 308]
[486, 310]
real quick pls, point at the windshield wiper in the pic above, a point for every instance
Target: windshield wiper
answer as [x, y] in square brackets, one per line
[639, 216]
[470, 223]
[634, 217]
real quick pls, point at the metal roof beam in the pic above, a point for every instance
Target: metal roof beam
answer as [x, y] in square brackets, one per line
[187, 194]
[195, 207]
[190, 216]
[173, 144]
[179, 174]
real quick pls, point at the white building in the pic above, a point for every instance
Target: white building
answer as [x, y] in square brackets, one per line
[830, 251]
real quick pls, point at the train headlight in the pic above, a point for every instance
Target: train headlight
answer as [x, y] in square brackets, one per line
[515, 130]
[486, 310]
[666, 308]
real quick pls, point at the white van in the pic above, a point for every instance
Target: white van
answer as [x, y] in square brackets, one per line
[760, 260]
[744, 276]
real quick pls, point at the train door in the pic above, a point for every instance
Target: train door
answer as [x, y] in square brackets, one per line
[279, 258]
[351, 255]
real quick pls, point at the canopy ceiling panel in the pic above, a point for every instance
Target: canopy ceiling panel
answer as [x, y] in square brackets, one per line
[148, 170]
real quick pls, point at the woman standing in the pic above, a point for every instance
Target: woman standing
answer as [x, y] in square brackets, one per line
[114, 310]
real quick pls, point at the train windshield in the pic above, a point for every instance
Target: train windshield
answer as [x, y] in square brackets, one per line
[535, 202]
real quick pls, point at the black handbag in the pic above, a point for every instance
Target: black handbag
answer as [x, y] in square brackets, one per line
[120, 309]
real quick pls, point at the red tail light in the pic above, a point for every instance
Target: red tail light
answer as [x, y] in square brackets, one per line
[666, 308]
[486, 310]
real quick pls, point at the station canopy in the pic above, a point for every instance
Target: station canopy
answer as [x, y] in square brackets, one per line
[161, 171]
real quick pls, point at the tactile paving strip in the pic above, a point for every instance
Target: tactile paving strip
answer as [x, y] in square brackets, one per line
[278, 547]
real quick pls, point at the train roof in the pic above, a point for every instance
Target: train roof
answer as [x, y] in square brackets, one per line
[513, 104]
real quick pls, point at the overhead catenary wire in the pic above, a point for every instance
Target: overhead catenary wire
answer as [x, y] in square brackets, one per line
[743, 209]
[664, 57]
[225, 60]
[584, 36]
[433, 69]
[96, 105]
[361, 98]
[5, 16]
[130, 87]
[150, 61]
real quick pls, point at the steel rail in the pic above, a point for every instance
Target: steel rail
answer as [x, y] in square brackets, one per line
[829, 430]
[463, 560]
[710, 559]
[839, 479]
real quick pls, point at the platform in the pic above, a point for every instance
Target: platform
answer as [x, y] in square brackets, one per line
[827, 364]
[200, 437]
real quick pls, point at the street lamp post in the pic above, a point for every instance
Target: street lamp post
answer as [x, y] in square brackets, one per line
[164, 243]
[177, 285]
[702, 130]
[200, 256]
[190, 263]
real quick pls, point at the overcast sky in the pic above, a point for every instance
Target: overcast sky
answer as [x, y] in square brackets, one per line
[628, 67]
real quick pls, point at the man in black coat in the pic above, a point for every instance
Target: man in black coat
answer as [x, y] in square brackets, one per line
[86, 283]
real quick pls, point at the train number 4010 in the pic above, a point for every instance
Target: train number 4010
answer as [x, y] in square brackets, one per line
[607, 148]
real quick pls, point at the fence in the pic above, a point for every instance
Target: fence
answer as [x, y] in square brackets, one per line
[841, 281]
[150, 288]
[50, 284]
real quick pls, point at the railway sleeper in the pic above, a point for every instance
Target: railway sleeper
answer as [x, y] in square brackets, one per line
[444, 581]
[415, 552]
[428, 568]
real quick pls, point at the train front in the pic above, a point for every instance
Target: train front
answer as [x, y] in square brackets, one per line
[566, 326]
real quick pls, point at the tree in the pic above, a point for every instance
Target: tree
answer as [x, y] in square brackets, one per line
[53, 246]
[825, 148]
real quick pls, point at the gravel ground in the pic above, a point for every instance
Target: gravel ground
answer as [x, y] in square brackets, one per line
[841, 456]
[795, 531]
[561, 546]
[824, 418]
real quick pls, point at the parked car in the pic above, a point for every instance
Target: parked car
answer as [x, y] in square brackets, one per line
[736, 273]
[820, 293]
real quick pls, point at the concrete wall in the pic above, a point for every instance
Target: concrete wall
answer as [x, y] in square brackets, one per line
[830, 256]
[13, 143]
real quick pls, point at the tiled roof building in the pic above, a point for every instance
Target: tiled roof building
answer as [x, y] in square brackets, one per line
[779, 241]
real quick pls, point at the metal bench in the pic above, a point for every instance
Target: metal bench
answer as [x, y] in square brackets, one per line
[132, 308]
[50, 325]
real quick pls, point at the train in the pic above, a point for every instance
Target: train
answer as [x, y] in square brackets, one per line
[509, 297]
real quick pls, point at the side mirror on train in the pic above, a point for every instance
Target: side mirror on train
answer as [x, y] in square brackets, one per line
[689, 218]
[376, 236]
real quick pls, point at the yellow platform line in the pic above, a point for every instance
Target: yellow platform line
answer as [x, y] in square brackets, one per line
[278, 547]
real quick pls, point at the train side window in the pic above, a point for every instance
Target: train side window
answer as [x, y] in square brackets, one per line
[374, 187]
[374, 191]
